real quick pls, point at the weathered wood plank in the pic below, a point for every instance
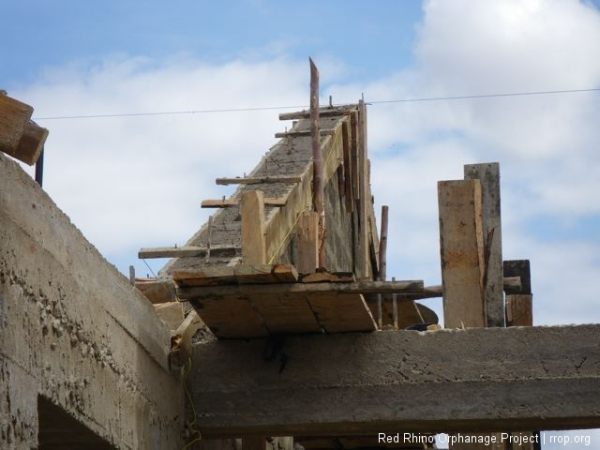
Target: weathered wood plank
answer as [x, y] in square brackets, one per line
[181, 341]
[187, 251]
[252, 210]
[286, 314]
[307, 242]
[232, 317]
[323, 112]
[258, 180]
[237, 274]
[340, 313]
[303, 133]
[360, 287]
[349, 195]
[461, 247]
[31, 144]
[231, 202]
[328, 277]
[493, 296]
[519, 378]
[157, 291]
[363, 189]
[14, 118]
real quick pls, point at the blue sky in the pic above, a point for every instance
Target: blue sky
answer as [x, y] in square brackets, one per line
[132, 182]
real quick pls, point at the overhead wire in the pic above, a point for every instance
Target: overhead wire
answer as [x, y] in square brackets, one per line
[270, 108]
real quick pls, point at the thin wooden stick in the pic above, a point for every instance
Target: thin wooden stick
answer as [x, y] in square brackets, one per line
[318, 188]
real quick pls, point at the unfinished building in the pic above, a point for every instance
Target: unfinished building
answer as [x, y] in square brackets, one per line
[276, 318]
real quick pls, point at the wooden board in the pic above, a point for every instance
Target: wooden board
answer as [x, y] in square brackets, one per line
[232, 317]
[187, 251]
[231, 202]
[286, 314]
[493, 295]
[31, 144]
[224, 275]
[14, 118]
[307, 242]
[258, 180]
[252, 210]
[461, 247]
[341, 313]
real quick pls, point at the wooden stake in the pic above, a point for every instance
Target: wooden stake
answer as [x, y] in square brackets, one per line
[318, 186]
[493, 297]
[252, 210]
[383, 243]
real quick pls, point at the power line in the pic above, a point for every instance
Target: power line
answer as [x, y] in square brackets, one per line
[269, 108]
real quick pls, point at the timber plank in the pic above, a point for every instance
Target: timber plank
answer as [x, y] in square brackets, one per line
[340, 313]
[258, 180]
[461, 247]
[232, 317]
[31, 144]
[232, 202]
[493, 296]
[360, 287]
[14, 117]
[238, 274]
[187, 251]
[286, 314]
[307, 242]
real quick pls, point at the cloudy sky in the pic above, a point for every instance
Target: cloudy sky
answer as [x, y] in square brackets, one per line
[130, 181]
[136, 181]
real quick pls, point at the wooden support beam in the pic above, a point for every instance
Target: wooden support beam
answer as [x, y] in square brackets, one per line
[181, 341]
[318, 177]
[231, 202]
[303, 133]
[14, 118]
[31, 144]
[383, 243]
[258, 180]
[359, 287]
[157, 291]
[364, 200]
[519, 378]
[252, 210]
[323, 112]
[349, 194]
[307, 242]
[188, 251]
[493, 298]
[461, 247]
[237, 274]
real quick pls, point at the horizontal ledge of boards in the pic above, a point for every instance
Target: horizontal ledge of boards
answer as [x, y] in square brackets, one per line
[228, 203]
[258, 180]
[513, 283]
[324, 112]
[359, 287]
[243, 273]
[185, 252]
[304, 133]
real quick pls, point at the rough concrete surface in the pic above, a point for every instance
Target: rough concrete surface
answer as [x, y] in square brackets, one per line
[439, 381]
[74, 335]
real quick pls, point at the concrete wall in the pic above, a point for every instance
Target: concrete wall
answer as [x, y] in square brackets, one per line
[75, 334]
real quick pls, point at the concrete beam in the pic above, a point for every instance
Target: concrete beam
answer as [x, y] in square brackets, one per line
[473, 380]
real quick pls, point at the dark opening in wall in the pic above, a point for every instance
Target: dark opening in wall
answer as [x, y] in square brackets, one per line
[60, 431]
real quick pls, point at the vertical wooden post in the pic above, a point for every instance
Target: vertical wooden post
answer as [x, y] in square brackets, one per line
[493, 295]
[307, 243]
[252, 210]
[318, 186]
[461, 248]
[363, 189]
[519, 313]
[383, 243]
[464, 256]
